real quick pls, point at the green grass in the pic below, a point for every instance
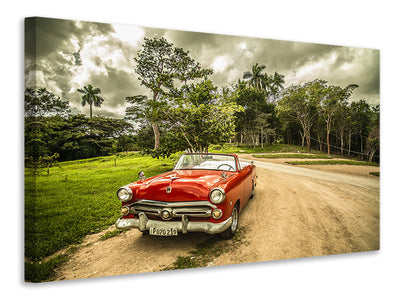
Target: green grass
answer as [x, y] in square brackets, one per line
[333, 162]
[41, 271]
[207, 251]
[277, 148]
[290, 155]
[38, 271]
[77, 198]
[110, 234]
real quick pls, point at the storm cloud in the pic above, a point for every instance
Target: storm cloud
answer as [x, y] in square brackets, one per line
[64, 55]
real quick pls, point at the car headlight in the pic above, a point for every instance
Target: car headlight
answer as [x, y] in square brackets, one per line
[124, 194]
[217, 195]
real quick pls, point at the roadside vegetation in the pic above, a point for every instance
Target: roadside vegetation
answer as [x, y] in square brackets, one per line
[243, 148]
[333, 162]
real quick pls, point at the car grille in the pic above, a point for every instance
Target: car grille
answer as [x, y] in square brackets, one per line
[175, 209]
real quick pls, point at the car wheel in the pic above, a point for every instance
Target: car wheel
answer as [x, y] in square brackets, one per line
[230, 232]
[252, 189]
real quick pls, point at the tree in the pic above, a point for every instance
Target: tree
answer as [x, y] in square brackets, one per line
[276, 84]
[247, 121]
[158, 64]
[263, 126]
[375, 117]
[342, 124]
[40, 105]
[300, 102]
[332, 99]
[142, 109]
[91, 97]
[76, 137]
[41, 102]
[50, 161]
[373, 142]
[361, 119]
[201, 117]
[319, 128]
[255, 77]
[241, 84]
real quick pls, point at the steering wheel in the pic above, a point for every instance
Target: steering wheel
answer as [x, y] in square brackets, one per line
[230, 167]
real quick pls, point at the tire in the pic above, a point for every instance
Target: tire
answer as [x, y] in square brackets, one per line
[252, 189]
[230, 232]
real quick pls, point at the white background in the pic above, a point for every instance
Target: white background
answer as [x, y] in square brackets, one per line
[370, 24]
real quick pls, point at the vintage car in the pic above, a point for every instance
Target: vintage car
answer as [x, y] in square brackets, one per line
[205, 192]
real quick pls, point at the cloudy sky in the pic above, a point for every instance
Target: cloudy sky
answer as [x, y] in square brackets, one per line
[68, 55]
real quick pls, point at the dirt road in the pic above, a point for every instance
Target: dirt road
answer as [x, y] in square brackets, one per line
[296, 212]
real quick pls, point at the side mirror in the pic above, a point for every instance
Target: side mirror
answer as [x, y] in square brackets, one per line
[141, 175]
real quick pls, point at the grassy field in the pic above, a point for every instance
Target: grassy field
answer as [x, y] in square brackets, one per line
[76, 199]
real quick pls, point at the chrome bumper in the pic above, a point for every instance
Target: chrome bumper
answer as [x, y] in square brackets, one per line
[144, 224]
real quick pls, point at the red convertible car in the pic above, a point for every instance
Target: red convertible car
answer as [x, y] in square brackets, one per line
[205, 192]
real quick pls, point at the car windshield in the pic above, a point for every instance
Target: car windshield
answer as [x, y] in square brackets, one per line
[206, 162]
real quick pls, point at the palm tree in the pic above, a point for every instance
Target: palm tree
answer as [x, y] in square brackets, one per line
[241, 84]
[91, 97]
[255, 77]
[276, 83]
[267, 82]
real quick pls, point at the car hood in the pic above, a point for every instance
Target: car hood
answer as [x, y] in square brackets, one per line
[184, 185]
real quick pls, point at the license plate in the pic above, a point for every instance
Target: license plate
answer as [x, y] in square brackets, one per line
[163, 231]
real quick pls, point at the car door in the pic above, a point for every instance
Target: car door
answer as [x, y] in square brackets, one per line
[246, 175]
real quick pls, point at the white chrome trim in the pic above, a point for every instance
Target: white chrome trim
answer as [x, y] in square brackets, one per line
[223, 192]
[174, 204]
[202, 209]
[144, 224]
[128, 189]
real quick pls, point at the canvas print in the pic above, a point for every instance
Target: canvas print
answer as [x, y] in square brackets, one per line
[152, 149]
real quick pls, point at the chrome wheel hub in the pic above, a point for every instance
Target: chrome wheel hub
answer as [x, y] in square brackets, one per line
[234, 220]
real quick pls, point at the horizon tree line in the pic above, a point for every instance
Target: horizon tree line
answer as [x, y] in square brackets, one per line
[257, 110]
